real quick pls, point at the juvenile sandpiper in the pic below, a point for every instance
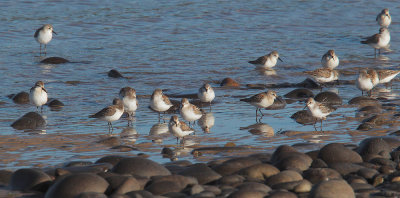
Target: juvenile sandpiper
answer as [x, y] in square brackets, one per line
[128, 97]
[268, 61]
[43, 35]
[179, 128]
[38, 95]
[111, 113]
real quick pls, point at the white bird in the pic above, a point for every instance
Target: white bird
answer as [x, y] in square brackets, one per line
[268, 61]
[330, 60]
[378, 41]
[160, 102]
[384, 18]
[319, 110]
[111, 113]
[179, 128]
[367, 80]
[189, 112]
[43, 35]
[38, 95]
[128, 97]
[206, 93]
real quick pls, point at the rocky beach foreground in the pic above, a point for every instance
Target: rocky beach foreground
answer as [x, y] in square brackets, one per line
[370, 169]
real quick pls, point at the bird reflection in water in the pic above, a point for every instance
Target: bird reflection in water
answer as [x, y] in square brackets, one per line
[260, 129]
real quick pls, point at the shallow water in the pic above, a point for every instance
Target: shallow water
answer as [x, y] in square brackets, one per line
[177, 46]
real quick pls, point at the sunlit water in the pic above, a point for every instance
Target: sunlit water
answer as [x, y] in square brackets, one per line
[177, 46]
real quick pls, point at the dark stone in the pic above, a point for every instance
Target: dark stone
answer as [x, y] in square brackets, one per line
[171, 183]
[279, 103]
[140, 194]
[235, 164]
[333, 189]
[20, 98]
[54, 60]
[229, 82]
[111, 159]
[91, 195]
[367, 173]
[308, 83]
[140, 167]
[247, 193]
[281, 194]
[368, 110]
[259, 171]
[316, 175]
[31, 120]
[287, 158]
[374, 147]
[201, 172]
[364, 101]
[284, 176]
[231, 180]
[319, 163]
[72, 185]
[300, 94]
[114, 74]
[120, 184]
[28, 179]
[77, 163]
[345, 168]
[304, 117]
[329, 98]
[5, 177]
[55, 103]
[336, 152]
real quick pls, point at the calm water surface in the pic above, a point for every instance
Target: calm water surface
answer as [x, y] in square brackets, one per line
[178, 46]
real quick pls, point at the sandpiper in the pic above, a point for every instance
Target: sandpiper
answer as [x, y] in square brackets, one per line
[160, 102]
[384, 18]
[367, 80]
[386, 76]
[323, 75]
[261, 100]
[43, 35]
[128, 97]
[319, 110]
[330, 60]
[111, 113]
[179, 128]
[378, 41]
[206, 93]
[268, 61]
[38, 95]
[189, 112]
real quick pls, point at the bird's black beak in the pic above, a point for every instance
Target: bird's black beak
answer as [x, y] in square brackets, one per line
[305, 107]
[280, 59]
[54, 32]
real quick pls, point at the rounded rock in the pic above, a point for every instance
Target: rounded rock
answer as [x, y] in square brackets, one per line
[21, 98]
[111, 159]
[28, 179]
[31, 120]
[304, 187]
[364, 101]
[120, 184]
[72, 185]
[374, 147]
[259, 171]
[304, 117]
[54, 60]
[316, 175]
[233, 165]
[114, 74]
[229, 82]
[329, 98]
[247, 193]
[300, 94]
[281, 194]
[138, 166]
[201, 172]
[279, 103]
[336, 152]
[284, 176]
[333, 189]
[231, 180]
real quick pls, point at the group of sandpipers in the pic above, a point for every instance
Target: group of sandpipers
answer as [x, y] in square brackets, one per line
[159, 102]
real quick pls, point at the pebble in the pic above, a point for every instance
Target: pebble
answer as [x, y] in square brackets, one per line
[54, 60]
[31, 120]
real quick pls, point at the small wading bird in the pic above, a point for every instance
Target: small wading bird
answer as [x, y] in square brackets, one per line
[323, 75]
[159, 102]
[43, 35]
[190, 112]
[261, 100]
[386, 76]
[206, 94]
[38, 95]
[268, 61]
[330, 60]
[384, 18]
[378, 41]
[128, 97]
[367, 80]
[319, 110]
[111, 113]
[179, 128]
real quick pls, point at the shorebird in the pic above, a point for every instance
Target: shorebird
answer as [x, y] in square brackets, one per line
[38, 95]
[128, 97]
[386, 76]
[268, 61]
[367, 80]
[111, 113]
[323, 75]
[179, 128]
[189, 112]
[378, 41]
[319, 110]
[206, 93]
[43, 35]
[261, 100]
[160, 102]
[384, 18]
[330, 60]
